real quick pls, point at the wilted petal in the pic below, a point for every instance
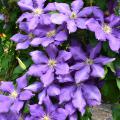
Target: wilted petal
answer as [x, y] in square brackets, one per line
[81, 23]
[62, 69]
[64, 56]
[103, 60]
[35, 87]
[38, 57]
[63, 8]
[97, 70]
[77, 5]
[17, 106]
[22, 82]
[19, 37]
[58, 18]
[47, 78]
[23, 45]
[95, 51]
[79, 101]
[26, 95]
[36, 110]
[91, 94]
[53, 90]
[61, 36]
[66, 94]
[6, 86]
[71, 26]
[83, 74]
[114, 43]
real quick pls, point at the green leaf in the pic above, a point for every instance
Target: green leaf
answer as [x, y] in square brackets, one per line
[116, 112]
[111, 66]
[118, 82]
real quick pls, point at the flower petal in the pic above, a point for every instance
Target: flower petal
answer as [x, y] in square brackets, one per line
[61, 36]
[23, 45]
[83, 74]
[6, 86]
[91, 94]
[58, 18]
[41, 96]
[35, 42]
[97, 71]
[66, 94]
[47, 78]
[77, 5]
[95, 51]
[38, 57]
[79, 101]
[26, 95]
[71, 26]
[62, 69]
[103, 60]
[81, 23]
[53, 90]
[40, 3]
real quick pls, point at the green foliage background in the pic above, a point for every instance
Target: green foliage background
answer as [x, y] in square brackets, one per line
[11, 68]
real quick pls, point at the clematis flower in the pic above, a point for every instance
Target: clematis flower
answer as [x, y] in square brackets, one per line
[14, 98]
[47, 67]
[37, 12]
[78, 95]
[47, 111]
[53, 90]
[23, 40]
[90, 63]
[9, 115]
[107, 29]
[74, 16]
[50, 35]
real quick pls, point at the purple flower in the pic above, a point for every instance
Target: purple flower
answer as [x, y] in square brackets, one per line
[79, 95]
[38, 13]
[47, 67]
[10, 115]
[88, 64]
[14, 98]
[107, 30]
[50, 35]
[74, 17]
[52, 90]
[24, 40]
[47, 111]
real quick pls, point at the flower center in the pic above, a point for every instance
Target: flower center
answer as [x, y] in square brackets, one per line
[52, 62]
[51, 33]
[38, 11]
[46, 117]
[73, 15]
[31, 35]
[14, 94]
[107, 29]
[89, 61]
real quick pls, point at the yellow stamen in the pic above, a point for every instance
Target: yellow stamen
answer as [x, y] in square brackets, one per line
[38, 11]
[107, 29]
[52, 62]
[73, 15]
[14, 94]
[89, 61]
[51, 33]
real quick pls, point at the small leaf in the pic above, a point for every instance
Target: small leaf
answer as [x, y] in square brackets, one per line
[111, 66]
[22, 65]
